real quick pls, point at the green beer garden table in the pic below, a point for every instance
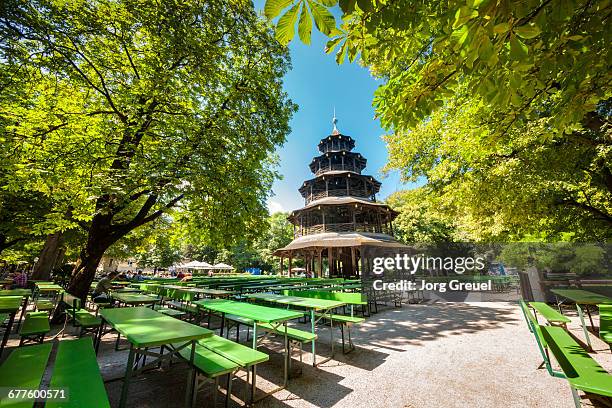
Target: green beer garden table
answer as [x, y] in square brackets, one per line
[126, 290]
[48, 287]
[323, 306]
[214, 293]
[581, 297]
[134, 299]
[25, 294]
[259, 314]
[10, 305]
[145, 328]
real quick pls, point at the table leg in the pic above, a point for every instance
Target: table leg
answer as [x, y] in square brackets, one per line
[255, 335]
[586, 307]
[314, 349]
[191, 391]
[558, 304]
[128, 376]
[584, 329]
[287, 356]
[23, 311]
[222, 324]
[331, 332]
[7, 332]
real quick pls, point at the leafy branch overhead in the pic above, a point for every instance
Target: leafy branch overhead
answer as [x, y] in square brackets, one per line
[120, 112]
[483, 93]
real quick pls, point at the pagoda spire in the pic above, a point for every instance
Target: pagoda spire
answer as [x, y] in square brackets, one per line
[335, 121]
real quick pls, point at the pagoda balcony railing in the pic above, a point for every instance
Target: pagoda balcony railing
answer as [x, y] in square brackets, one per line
[338, 167]
[341, 192]
[340, 227]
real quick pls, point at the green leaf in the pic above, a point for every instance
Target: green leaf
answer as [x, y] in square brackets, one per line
[501, 28]
[305, 26]
[460, 36]
[341, 53]
[329, 3]
[352, 53]
[347, 6]
[324, 20]
[528, 32]
[285, 28]
[518, 50]
[365, 5]
[331, 44]
[273, 8]
[463, 15]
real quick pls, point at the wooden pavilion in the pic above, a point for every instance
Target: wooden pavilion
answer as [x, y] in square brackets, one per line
[341, 221]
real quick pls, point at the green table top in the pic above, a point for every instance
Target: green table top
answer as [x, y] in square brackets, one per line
[582, 296]
[24, 369]
[49, 287]
[260, 314]
[126, 290]
[210, 292]
[309, 303]
[132, 298]
[144, 327]
[172, 286]
[10, 304]
[15, 292]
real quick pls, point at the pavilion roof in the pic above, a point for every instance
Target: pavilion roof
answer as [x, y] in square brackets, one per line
[340, 239]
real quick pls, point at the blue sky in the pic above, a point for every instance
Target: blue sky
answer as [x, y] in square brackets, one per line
[317, 84]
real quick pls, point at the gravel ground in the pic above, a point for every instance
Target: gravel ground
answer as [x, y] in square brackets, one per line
[417, 356]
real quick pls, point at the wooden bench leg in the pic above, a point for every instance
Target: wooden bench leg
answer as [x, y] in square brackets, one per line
[215, 392]
[228, 389]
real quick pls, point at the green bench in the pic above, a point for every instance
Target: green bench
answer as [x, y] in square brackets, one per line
[551, 315]
[605, 324]
[246, 357]
[217, 356]
[34, 328]
[24, 369]
[76, 370]
[581, 370]
[181, 300]
[345, 321]
[237, 321]
[44, 305]
[351, 299]
[535, 328]
[82, 318]
[296, 337]
[210, 365]
[170, 312]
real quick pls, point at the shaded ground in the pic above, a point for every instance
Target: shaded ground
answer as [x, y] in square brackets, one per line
[435, 355]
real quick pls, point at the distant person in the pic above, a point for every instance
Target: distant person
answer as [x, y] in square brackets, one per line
[186, 278]
[101, 292]
[180, 275]
[138, 277]
[20, 280]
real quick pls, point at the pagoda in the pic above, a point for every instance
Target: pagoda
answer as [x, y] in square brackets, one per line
[341, 217]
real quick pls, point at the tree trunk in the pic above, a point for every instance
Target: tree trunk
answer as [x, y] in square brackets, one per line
[84, 272]
[99, 239]
[48, 257]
